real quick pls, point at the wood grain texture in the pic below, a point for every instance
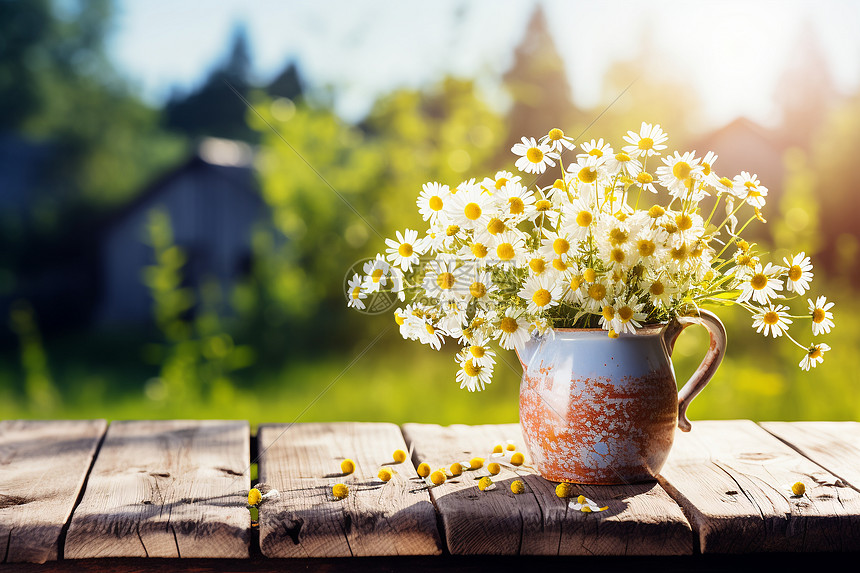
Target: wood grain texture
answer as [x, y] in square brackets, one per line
[733, 480]
[641, 520]
[303, 462]
[833, 445]
[43, 465]
[171, 488]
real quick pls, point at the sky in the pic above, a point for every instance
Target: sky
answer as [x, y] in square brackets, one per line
[732, 52]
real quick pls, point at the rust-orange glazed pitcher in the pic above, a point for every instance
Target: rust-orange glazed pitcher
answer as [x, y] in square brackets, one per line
[600, 410]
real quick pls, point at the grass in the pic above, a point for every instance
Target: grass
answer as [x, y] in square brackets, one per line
[401, 381]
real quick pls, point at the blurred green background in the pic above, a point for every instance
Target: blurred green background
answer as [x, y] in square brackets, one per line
[169, 252]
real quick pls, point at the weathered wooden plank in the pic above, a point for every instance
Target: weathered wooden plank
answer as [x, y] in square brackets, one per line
[832, 445]
[43, 465]
[733, 478]
[303, 462]
[171, 488]
[641, 520]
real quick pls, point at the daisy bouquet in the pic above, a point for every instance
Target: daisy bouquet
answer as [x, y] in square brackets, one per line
[618, 241]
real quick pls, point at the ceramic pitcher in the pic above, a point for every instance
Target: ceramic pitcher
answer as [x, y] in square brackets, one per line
[600, 410]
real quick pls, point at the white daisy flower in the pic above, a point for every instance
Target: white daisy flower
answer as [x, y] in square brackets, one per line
[761, 286]
[426, 332]
[510, 249]
[773, 320]
[376, 272]
[661, 291]
[646, 181]
[596, 297]
[541, 292]
[679, 173]
[814, 356]
[503, 178]
[473, 376]
[469, 208]
[748, 188]
[513, 329]
[586, 505]
[598, 149]
[708, 172]
[726, 185]
[475, 251]
[443, 279]
[480, 285]
[557, 245]
[579, 219]
[623, 163]
[431, 201]
[822, 318]
[628, 314]
[479, 351]
[534, 156]
[648, 142]
[515, 200]
[489, 233]
[355, 293]
[404, 251]
[557, 140]
[799, 273]
[588, 170]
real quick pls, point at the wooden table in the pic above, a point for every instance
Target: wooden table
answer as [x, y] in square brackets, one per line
[140, 495]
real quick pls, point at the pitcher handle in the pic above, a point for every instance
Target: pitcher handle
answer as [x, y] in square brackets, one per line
[709, 365]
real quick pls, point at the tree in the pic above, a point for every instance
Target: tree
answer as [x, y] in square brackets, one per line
[214, 109]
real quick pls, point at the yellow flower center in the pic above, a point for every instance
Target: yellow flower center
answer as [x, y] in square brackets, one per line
[646, 247]
[452, 230]
[445, 281]
[625, 313]
[376, 275]
[559, 265]
[706, 168]
[541, 297]
[656, 212]
[471, 368]
[597, 291]
[560, 246]
[399, 319]
[509, 325]
[479, 250]
[501, 182]
[646, 143]
[622, 157]
[555, 134]
[477, 351]
[558, 184]
[795, 272]
[608, 312]
[435, 203]
[818, 315]
[254, 497]
[617, 256]
[657, 288]
[534, 155]
[618, 236]
[584, 218]
[815, 353]
[770, 317]
[726, 182]
[644, 178]
[682, 170]
[495, 226]
[405, 250]
[750, 185]
[589, 275]
[537, 266]
[679, 253]
[516, 205]
[743, 245]
[543, 205]
[505, 251]
[684, 222]
[430, 329]
[472, 211]
[759, 281]
[595, 152]
[477, 290]
[587, 175]
[575, 282]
